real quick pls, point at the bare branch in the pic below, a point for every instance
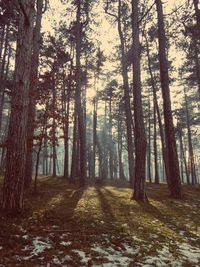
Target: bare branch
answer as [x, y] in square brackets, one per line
[107, 12]
[147, 12]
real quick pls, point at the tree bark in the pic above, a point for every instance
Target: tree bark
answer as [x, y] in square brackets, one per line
[79, 106]
[140, 136]
[191, 152]
[156, 178]
[174, 181]
[129, 130]
[13, 188]
[33, 92]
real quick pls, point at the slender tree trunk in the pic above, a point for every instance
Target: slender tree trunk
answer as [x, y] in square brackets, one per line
[74, 150]
[37, 165]
[149, 145]
[111, 167]
[184, 157]
[191, 152]
[13, 188]
[33, 92]
[197, 14]
[174, 181]
[54, 174]
[121, 169]
[156, 178]
[79, 106]
[127, 99]
[66, 142]
[2, 39]
[140, 136]
[94, 137]
[2, 72]
[3, 88]
[155, 100]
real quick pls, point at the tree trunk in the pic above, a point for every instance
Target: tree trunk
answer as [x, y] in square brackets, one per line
[33, 92]
[13, 188]
[156, 178]
[127, 98]
[74, 150]
[155, 100]
[2, 72]
[197, 14]
[149, 145]
[174, 181]
[54, 93]
[79, 106]
[191, 152]
[66, 141]
[140, 136]
[94, 137]
[184, 157]
[37, 165]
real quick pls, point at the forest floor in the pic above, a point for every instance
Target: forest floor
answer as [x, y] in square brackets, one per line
[64, 225]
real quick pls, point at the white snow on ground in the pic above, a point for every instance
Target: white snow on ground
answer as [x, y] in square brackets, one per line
[36, 248]
[164, 258]
[122, 257]
[60, 262]
[112, 255]
[66, 244]
[189, 252]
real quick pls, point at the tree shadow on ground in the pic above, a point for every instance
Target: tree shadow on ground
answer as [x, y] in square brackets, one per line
[168, 220]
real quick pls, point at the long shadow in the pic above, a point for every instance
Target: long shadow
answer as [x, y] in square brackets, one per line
[157, 214]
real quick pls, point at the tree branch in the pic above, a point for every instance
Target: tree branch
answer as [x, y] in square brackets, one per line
[146, 13]
[107, 12]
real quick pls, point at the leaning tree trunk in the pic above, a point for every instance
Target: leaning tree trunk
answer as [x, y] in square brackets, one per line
[140, 136]
[17, 133]
[174, 181]
[33, 92]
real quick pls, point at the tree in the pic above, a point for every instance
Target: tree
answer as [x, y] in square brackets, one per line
[174, 181]
[140, 136]
[33, 91]
[13, 188]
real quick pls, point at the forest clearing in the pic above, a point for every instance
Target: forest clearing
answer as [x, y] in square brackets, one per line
[64, 225]
[99, 133]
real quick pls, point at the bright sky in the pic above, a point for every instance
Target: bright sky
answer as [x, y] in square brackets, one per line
[105, 32]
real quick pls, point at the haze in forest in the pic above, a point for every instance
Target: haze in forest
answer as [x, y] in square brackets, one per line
[99, 132]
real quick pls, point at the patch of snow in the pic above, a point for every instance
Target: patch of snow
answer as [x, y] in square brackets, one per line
[164, 258]
[66, 258]
[82, 254]
[115, 257]
[56, 261]
[190, 253]
[65, 243]
[36, 248]
[26, 237]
